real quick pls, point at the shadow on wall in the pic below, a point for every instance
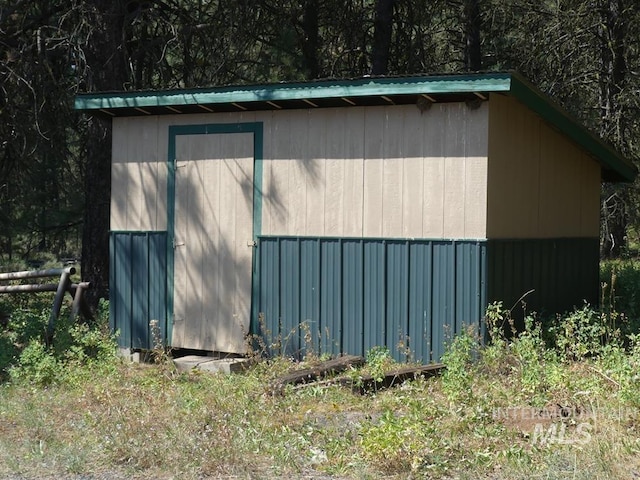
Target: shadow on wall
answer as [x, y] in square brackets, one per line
[306, 159]
[213, 241]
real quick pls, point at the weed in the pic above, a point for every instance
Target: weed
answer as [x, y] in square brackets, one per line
[378, 362]
[159, 352]
[529, 350]
[458, 358]
[393, 443]
[499, 323]
[582, 333]
[308, 349]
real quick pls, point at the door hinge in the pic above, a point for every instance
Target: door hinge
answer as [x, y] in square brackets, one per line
[252, 243]
[177, 244]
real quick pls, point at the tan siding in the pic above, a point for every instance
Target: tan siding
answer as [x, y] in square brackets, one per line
[297, 201]
[213, 226]
[392, 169]
[538, 179]
[335, 154]
[353, 174]
[135, 175]
[590, 198]
[453, 198]
[268, 146]
[476, 147]
[454, 168]
[475, 200]
[518, 173]
[434, 177]
[375, 172]
[119, 182]
[379, 171]
[278, 196]
[316, 166]
[413, 187]
[560, 206]
[373, 167]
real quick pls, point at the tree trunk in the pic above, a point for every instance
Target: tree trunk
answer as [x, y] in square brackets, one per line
[472, 51]
[611, 33]
[95, 233]
[383, 27]
[106, 58]
[310, 41]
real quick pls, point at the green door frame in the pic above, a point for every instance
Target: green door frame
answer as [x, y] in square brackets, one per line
[206, 129]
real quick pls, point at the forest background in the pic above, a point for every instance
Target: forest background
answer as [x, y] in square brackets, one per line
[55, 162]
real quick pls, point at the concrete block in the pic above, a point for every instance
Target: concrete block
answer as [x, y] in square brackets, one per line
[211, 364]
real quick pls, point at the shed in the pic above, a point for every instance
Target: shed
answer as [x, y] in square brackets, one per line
[346, 214]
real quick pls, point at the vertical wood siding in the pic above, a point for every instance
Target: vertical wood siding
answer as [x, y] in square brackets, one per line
[540, 184]
[379, 171]
[138, 175]
[213, 235]
[349, 295]
[354, 172]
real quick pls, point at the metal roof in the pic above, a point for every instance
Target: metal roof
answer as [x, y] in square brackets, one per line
[366, 91]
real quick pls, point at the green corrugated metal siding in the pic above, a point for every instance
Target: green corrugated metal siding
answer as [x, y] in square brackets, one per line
[373, 296]
[330, 321]
[562, 272]
[358, 293]
[354, 294]
[397, 295]
[137, 293]
[420, 299]
[309, 284]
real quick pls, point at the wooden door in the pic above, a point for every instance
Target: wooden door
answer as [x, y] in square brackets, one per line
[213, 241]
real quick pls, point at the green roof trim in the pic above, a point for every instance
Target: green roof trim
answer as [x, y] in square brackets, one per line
[362, 92]
[364, 87]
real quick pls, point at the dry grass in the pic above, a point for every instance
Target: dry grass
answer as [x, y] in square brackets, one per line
[146, 421]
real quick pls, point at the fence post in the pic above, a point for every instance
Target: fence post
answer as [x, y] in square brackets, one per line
[63, 286]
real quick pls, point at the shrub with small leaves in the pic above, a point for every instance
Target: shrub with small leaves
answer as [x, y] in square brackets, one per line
[581, 333]
[36, 364]
[393, 442]
[378, 361]
[457, 377]
[78, 349]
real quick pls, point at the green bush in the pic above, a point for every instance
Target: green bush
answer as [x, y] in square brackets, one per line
[378, 361]
[76, 346]
[36, 364]
[522, 355]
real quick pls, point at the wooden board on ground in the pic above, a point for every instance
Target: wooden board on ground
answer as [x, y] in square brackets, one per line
[368, 383]
[330, 367]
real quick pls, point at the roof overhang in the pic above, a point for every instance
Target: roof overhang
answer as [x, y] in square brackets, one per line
[368, 91]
